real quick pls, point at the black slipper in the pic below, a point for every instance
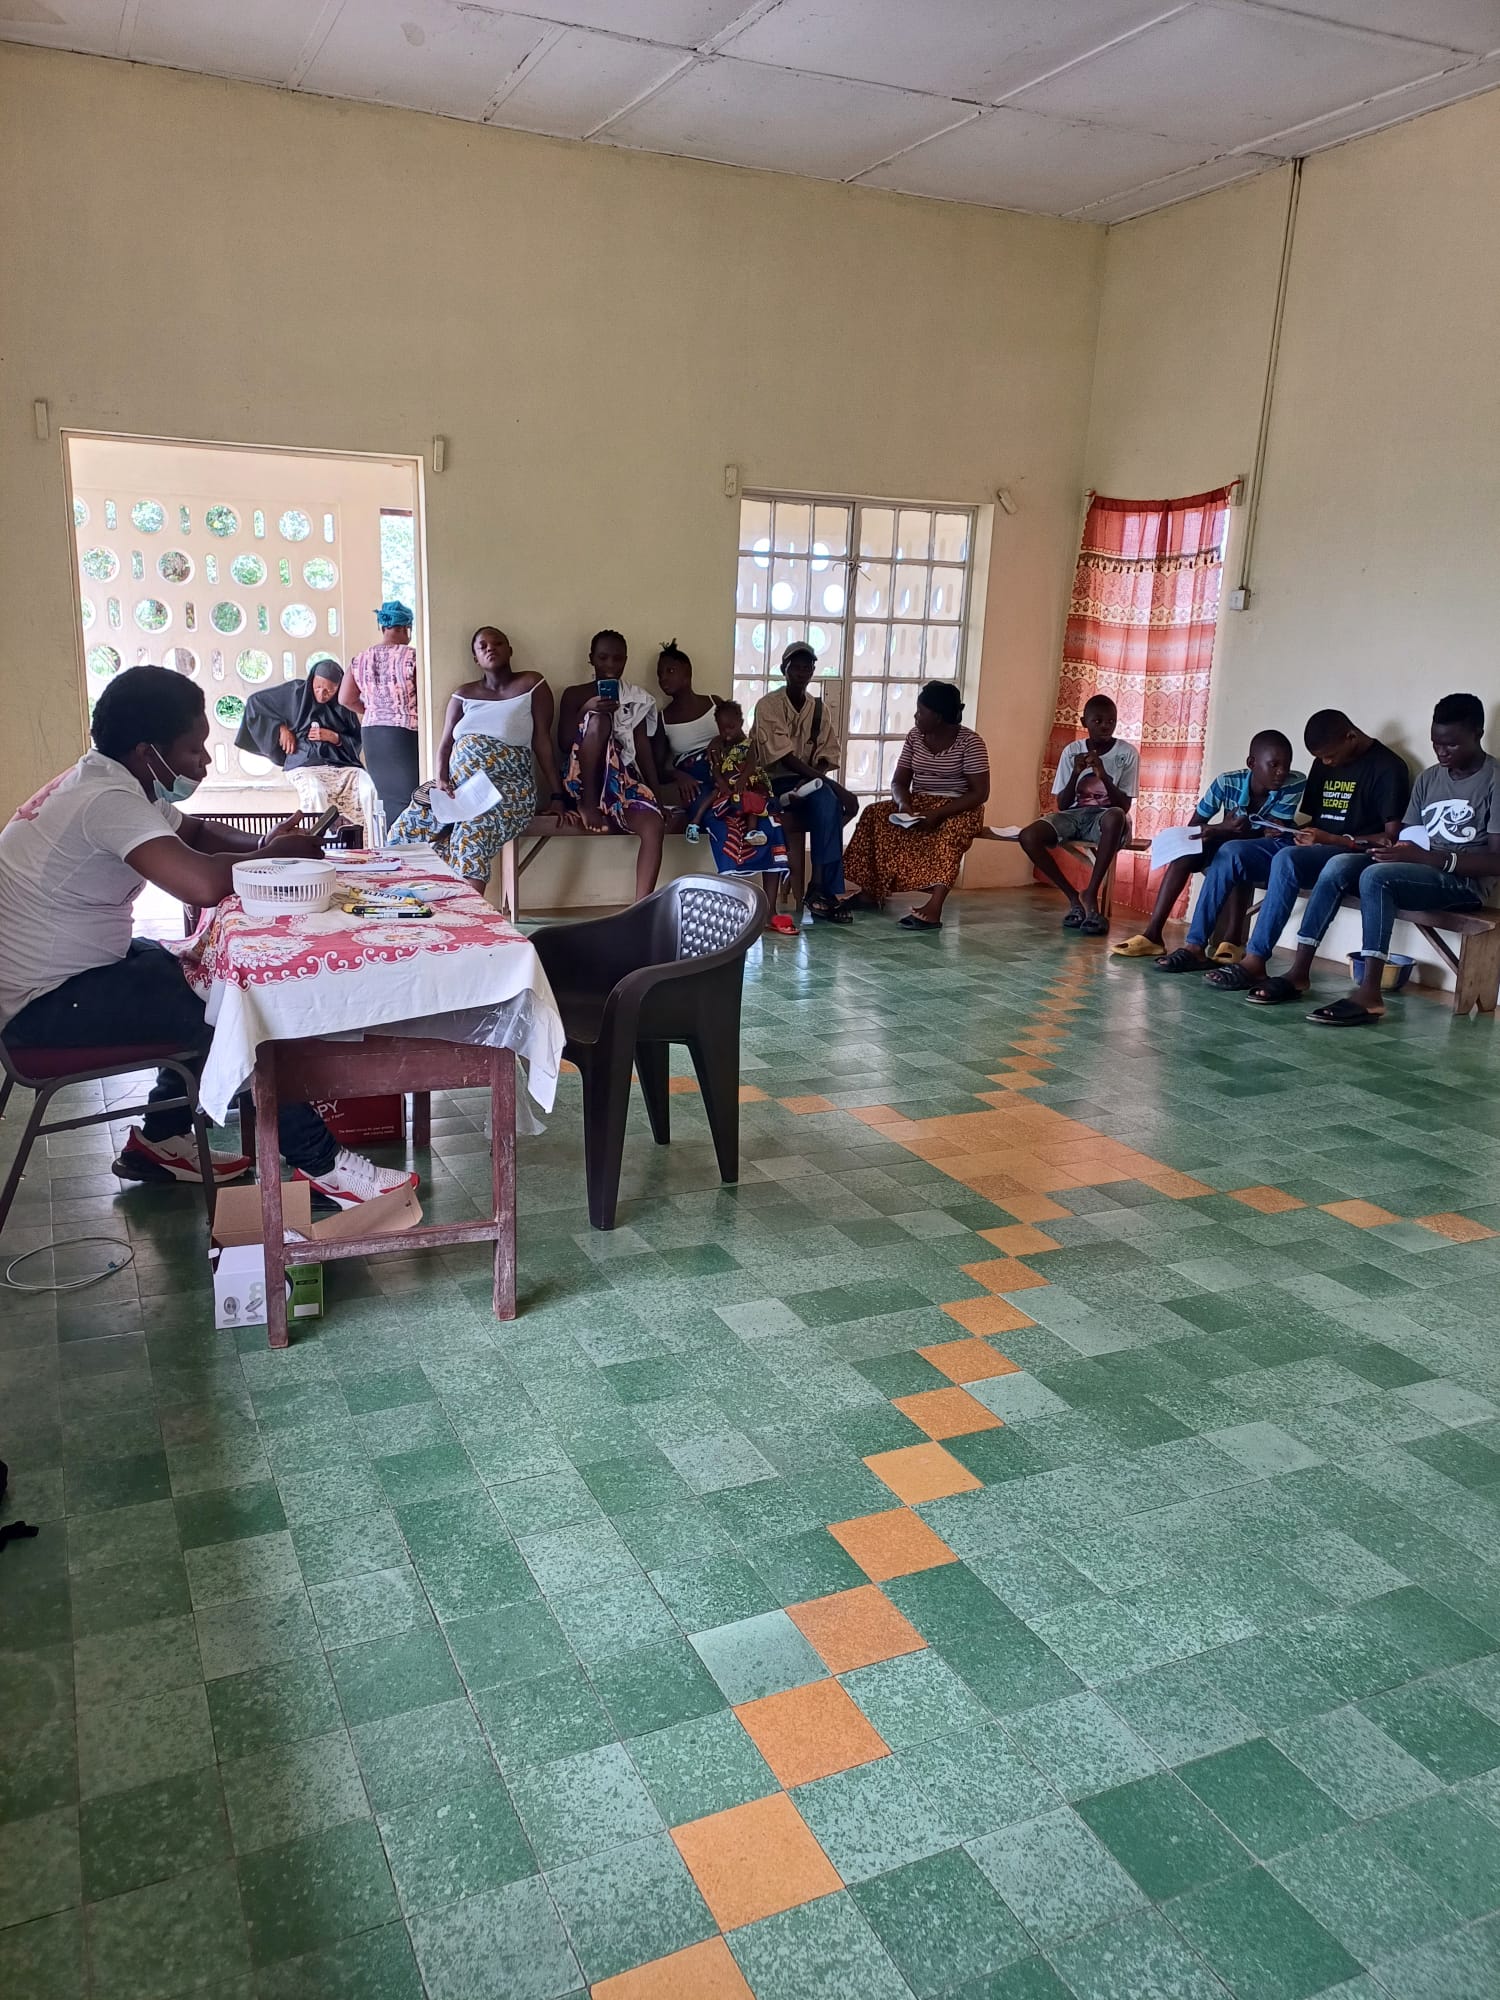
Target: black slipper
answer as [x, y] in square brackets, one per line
[1274, 992]
[1181, 960]
[912, 922]
[1229, 979]
[1095, 926]
[1073, 921]
[1344, 1014]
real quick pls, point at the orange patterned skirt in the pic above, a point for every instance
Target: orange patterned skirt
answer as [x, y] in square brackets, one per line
[888, 860]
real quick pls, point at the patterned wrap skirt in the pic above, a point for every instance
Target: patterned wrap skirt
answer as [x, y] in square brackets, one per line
[623, 790]
[888, 860]
[726, 829]
[470, 845]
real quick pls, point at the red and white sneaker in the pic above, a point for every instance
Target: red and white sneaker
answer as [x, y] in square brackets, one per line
[143, 1159]
[353, 1179]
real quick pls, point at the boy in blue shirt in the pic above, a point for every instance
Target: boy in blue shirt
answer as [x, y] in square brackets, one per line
[1261, 797]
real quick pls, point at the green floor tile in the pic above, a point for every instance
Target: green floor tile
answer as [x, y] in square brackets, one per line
[941, 1922]
[821, 1951]
[653, 1686]
[1362, 1895]
[375, 1965]
[131, 1838]
[754, 1657]
[502, 1944]
[388, 1676]
[702, 1766]
[1452, 1739]
[407, 1756]
[518, 1643]
[629, 1905]
[1264, 1800]
[547, 1716]
[1161, 1835]
[1140, 1954]
[158, 1939]
[1081, 1745]
[292, 1790]
[1054, 1876]
[454, 1845]
[1454, 1849]
[1259, 1939]
[311, 1892]
[873, 1818]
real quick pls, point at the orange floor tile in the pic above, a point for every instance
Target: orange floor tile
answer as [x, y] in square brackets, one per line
[988, 1315]
[1457, 1228]
[754, 1860]
[1363, 1214]
[704, 1971]
[1020, 1239]
[946, 1413]
[1267, 1200]
[921, 1472]
[803, 1106]
[1034, 1208]
[811, 1732]
[895, 1544]
[967, 1361]
[1004, 1274]
[855, 1628]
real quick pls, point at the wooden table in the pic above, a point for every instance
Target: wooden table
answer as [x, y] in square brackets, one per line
[301, 1072]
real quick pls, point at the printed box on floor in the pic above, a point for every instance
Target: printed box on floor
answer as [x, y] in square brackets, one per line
[238, 1254]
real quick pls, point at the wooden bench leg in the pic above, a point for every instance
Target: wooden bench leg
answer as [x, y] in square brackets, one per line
[1477, 976]
[510, 900]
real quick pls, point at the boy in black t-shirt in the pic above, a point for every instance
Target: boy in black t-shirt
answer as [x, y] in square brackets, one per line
[1355, 796]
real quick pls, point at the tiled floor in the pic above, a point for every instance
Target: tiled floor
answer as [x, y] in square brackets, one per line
[1039, 1535]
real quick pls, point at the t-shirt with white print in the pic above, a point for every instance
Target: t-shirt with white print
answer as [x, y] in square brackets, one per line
[1457, 812]
[66, 883]
[1122, 762]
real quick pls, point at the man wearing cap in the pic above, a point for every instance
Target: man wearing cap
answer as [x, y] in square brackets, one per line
[798, 745]
[380, 685]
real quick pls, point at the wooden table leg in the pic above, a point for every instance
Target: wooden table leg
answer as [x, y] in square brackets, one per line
[268, 1170]
[503, 1173]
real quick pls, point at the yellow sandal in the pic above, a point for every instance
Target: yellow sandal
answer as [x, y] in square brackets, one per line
[1137, 947]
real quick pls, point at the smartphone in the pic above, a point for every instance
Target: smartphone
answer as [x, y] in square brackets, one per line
[323, 822]
[607, 688]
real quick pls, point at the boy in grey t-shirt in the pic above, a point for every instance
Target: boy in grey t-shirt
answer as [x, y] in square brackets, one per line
[1456, 805]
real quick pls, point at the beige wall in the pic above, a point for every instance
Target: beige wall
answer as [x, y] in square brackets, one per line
[595, 333]
[1376, 584]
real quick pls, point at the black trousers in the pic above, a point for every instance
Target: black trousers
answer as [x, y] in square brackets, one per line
[391, 758]
[144, 997]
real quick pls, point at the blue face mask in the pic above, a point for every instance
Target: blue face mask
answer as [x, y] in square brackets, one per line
[178, 791]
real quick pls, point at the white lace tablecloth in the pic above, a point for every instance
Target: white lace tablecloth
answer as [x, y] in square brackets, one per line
[463, 975]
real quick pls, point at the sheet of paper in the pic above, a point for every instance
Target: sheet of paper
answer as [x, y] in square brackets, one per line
[1002, 832]
[1175, 842]
[1416, 836]
[466, 801]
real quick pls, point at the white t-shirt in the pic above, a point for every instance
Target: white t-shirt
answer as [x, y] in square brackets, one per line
[1121, 760]
[66, 884]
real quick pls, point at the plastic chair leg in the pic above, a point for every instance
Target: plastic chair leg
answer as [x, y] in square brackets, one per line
[718, 1065]
[606, 1106]
[651, 1069]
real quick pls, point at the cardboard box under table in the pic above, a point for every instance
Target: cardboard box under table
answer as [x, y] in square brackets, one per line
[238, 1255]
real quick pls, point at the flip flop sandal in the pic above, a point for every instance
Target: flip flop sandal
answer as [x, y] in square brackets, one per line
[1181, 960]
[1073, 921]
[912, 922]
[1227, 954]
[1094, 927]
[1274, 992]
[1229, 979]
[1136, 947]
[1344, 1014]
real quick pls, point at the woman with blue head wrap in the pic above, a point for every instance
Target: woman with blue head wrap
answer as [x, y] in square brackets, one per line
[380, 685]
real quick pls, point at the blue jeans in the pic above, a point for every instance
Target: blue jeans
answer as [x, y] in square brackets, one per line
[1235, 861]
[1387, 886]
[1293, 870]
[1340, 877]
[823, 816]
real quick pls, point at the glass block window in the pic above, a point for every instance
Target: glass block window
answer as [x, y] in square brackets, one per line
[879, 590]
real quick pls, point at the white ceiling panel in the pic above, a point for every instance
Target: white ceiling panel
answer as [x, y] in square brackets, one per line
[260, 41]
[776, 118]
[972, 49]
[92, 27]
[581, 80]
[1225, 75]
[1473, 25]
[428, 55]
[1044, 164]
[1177, 187]
[687, 24]
[1380, 112]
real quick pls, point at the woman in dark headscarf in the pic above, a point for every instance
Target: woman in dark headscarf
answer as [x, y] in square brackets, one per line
[303, 727]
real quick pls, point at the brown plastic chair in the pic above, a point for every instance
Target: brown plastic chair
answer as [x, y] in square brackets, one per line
[669, 970]
[47, 1071]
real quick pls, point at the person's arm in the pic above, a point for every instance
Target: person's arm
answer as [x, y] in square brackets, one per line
[287, 838]
[901, 778]
[1123, 794]
[543, 711]
[1477, 863]
[1064, 786]
[349, 694]
[286, 736]
[974, 794]
[451, 721]
[645, 756]
[570, 709]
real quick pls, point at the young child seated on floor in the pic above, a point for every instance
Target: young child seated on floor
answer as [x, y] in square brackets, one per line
[1261, 797]
[1094, 788]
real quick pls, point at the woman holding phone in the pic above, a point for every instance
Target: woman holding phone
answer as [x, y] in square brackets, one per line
[604, 739]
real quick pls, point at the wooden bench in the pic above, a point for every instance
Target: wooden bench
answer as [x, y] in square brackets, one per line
[1077, 851]
[1476, 963]
[516, 856]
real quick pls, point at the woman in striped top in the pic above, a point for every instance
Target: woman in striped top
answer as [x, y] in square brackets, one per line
[941, 781]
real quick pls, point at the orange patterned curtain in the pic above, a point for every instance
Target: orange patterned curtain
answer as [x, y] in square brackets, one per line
[1141, 630]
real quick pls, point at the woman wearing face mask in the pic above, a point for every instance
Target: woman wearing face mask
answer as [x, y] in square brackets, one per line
[74, 858]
